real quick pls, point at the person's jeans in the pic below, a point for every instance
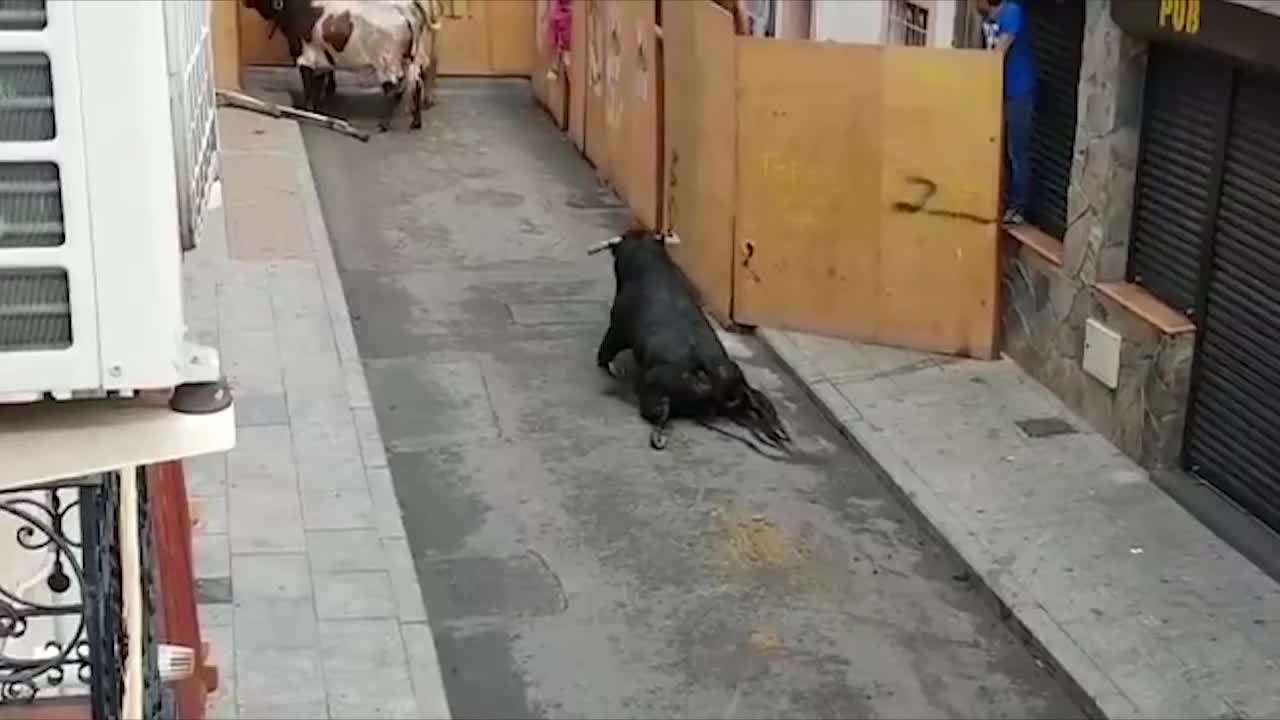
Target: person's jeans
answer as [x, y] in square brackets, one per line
[1017, 155]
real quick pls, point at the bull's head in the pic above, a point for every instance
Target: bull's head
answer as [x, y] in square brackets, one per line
[666, 239]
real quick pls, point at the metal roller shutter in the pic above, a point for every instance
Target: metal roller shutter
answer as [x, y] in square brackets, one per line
[1233, 436]
[1186, 106]
[1056, 31]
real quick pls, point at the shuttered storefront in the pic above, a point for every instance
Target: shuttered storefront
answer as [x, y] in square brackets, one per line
[1233, 439]
[1186, 107]
[1206, 240]
[1056, 31]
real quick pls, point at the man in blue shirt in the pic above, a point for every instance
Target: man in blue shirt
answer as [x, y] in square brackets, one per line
[1006, 27]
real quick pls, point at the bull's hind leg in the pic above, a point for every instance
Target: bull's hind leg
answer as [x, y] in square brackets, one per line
[612, 344]
[418, 91]
[330, 84]
[312, 87]
[655, 390]
[655, 408]
[393, 94]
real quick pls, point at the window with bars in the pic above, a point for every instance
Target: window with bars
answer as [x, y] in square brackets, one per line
[908, 23]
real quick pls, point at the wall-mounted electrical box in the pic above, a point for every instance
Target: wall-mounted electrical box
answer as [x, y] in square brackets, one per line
[1102, 353]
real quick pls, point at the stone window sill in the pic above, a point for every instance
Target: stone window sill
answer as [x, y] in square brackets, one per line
[1041, 243]
[1143, 304]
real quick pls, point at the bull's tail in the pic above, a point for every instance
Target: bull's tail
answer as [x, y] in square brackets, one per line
[759, 416]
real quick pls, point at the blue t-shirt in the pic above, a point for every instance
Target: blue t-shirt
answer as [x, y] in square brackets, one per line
[1019, 67]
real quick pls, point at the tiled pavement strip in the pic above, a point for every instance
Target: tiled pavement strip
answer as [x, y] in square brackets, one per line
[1147, 611]
[308, 592]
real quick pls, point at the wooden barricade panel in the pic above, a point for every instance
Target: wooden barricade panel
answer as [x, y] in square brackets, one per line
[255, 47]
[464, 37]
[939, 258]
[225, 29]
[578, 89]
[557, 99]
[538, 81]
[640, 153]
[630, 106]
[616, 63]
[867, 183]
[808, 191]
[551, 93]
[699, 123]
[596, 145]
[511, 45]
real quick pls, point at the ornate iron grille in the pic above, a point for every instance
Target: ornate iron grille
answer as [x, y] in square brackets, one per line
[82, 575]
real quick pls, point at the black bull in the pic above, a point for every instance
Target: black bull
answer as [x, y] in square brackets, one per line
[682, 367]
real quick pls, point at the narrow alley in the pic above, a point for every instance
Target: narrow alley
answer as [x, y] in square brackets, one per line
[569, 570]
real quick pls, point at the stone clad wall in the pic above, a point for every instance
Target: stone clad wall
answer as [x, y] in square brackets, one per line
[1046, 305]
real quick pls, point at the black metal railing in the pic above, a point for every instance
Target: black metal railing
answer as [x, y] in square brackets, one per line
[83, 579]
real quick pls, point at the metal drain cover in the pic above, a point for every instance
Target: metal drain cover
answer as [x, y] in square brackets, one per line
[1045, 427]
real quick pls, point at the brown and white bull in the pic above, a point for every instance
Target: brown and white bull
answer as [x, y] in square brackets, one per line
[395, 39]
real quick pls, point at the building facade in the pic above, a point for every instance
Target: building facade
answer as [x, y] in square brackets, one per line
[922, 23]
[1147, 294]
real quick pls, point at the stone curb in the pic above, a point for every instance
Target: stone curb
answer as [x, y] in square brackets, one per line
[432, 699]
[1087, 684]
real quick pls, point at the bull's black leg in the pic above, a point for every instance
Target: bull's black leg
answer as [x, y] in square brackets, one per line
[612, 344]
[418, 91]
[655, 408]
[311, 88]
[392, 99]
[330, 84]
[655, 389]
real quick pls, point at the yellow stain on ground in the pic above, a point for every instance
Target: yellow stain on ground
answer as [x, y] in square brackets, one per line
[765, 641]
[755, 542]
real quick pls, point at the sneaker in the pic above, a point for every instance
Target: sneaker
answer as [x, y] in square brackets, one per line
[1014, 217]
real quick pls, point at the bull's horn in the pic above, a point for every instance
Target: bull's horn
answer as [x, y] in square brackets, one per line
[604, 245]
[671, 239]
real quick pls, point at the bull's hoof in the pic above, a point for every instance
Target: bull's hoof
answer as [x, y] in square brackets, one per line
[416, 124]
[384, 127]
[658, 438]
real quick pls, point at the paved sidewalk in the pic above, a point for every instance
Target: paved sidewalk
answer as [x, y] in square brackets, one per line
[1143, 607]
[308, 592]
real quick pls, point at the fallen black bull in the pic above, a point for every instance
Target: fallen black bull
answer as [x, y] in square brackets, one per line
[682, 367]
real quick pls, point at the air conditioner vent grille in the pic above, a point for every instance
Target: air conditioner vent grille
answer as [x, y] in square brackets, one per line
[23, 15]
[35, 309]
[26, 98]
[30, 206]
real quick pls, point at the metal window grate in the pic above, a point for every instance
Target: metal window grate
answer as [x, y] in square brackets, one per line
[30, 206]
[23, 15]
[35, 309]
[26, 98]
[908, 23]
[188, 37]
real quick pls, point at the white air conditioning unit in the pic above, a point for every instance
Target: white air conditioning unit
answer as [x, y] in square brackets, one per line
[108, 161]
